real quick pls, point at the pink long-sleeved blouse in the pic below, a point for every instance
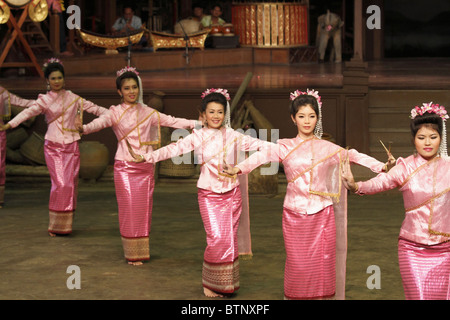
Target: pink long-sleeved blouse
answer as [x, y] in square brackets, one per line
[425, 186]
[212, 148]
[138, 124]
[60, 110]
[312, 169]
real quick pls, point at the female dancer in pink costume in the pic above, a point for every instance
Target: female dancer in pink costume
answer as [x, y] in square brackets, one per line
[7, 100]
[314, 210]
[138, 126]
[63, 110]
[217, 145]
[423, 179]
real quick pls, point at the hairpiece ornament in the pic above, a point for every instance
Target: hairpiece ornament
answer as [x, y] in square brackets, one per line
[127, 69]
[430, 108]
[52, 60]
[314, 93]
[224, 92]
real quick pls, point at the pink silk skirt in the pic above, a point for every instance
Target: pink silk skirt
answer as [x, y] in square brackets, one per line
[63, 163]
[220, 214]
[425, 270]
[134, 184]
[310, 242]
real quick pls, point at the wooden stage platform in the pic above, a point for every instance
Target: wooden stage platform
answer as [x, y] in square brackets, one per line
[361, 106]
[272, 69]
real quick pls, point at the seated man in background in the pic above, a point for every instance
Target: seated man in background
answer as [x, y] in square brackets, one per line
[197, 12]
[214, 18]
[128, 22]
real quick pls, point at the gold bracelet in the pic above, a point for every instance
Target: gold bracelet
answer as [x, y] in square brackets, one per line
[357, 188]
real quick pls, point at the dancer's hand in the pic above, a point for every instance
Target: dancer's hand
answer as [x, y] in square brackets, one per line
[5, 127]
[347, 177]
[390, 163]
[137, 158]
[391, 160]
[230, 170]
[79, 122]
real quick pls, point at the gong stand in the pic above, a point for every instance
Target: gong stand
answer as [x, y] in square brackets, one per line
[15, 34]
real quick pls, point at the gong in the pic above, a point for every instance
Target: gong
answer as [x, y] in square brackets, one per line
[17, 3]
[4, 12]
[38, 10]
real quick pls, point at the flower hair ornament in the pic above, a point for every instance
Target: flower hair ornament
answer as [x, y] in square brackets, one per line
[51, 60]
[133, 70]
[224, 92]
[430, 108]
[127, 69]
[442, 113]
[318, 131]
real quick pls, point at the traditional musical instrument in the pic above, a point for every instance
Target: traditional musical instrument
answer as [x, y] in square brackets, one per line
[227, 30]
[216, 30]
[110, 43]
[4, 12]
[262, 24]
[38, 10]
[188, 26]
[168, 40]
[17, 3]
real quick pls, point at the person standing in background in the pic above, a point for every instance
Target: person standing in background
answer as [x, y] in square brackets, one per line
[57, 7]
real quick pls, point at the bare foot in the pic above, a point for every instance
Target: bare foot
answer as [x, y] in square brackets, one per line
[211, 294]
[135, 263]
[51, 234]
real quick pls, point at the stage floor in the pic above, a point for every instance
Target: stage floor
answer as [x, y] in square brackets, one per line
[34, 266]
[414, 73]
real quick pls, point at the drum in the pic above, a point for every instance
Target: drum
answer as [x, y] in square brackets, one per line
[187, 26]
[227, 29]
[216, 30]
[17, 3]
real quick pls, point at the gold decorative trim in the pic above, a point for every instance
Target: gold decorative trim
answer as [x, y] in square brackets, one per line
[109, 42]
[221, 277]
[136, 249]
[172, 41]
[60, 222]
